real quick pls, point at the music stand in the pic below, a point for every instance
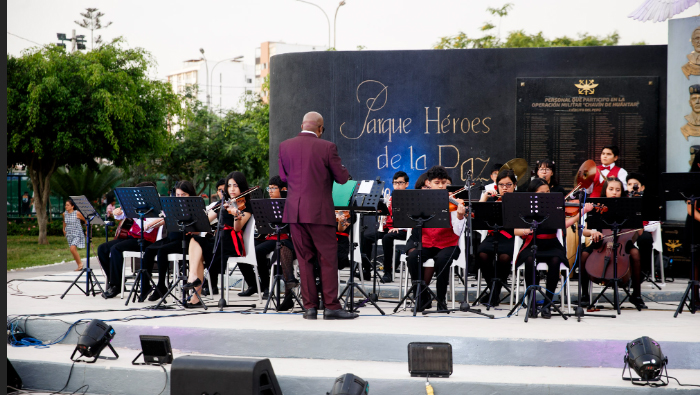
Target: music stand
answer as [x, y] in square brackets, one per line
[85, 208]
[684, 186]
[489, 215]
[373, 204]
[188, 215]
[620, 211]
[418, 209]
[141, 202]
[268, 220]
[366, 197]
[541, 211]
[580, 312]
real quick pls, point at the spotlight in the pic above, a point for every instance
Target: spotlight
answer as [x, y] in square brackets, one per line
[96, 337]
[156, 350]
[349, 384]
[645, 357]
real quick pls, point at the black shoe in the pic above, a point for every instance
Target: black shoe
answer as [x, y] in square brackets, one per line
[638, 302]
[339, 314]
[266, 295]
[194, 305]
[546, 313]
[158, 293]
[205, 289]
[196, 283]
[248, 292]
[426, 306]
[585, 300]
[287, 303]
[214, 288]
[442, 305]
[485, 299]
[386, 278]
[311, 314]
[367, 275]
[145, 291]
[110, 292]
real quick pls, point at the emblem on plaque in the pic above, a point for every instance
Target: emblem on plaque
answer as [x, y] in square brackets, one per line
[586, 87]
[693, 65]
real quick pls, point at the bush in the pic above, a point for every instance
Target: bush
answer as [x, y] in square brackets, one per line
[29, 227]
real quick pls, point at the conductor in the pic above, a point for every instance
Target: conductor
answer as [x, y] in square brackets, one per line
[309, 165]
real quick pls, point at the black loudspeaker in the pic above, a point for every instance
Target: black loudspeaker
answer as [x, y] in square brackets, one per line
[430, 359]
[13, 379]
[194, 375]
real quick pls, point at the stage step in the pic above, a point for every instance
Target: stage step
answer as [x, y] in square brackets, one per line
[47, 369]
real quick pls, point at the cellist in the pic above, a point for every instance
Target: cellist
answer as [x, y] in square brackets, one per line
[613, 188]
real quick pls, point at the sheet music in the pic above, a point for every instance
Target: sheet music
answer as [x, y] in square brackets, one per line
[365, 187]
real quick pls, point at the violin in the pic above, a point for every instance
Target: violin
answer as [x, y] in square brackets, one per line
[342, 215]
[238, 200]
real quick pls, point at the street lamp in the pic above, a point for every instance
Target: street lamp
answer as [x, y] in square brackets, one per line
[342, 3]
[234, 59]
[326, 15]
[207, 80]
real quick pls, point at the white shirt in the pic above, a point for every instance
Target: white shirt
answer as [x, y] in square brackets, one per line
[308, 131]
[458, 225]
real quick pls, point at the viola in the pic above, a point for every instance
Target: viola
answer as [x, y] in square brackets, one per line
[572, 208]
[238, 200]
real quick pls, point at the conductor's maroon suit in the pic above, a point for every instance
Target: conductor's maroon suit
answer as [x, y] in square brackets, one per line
[309, 165]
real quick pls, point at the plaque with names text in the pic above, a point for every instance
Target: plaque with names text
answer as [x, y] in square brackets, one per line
[569, 120]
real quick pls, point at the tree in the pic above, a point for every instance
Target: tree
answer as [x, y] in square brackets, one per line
[84, 180]
[520, 39]
[69, 108]
[91, 21]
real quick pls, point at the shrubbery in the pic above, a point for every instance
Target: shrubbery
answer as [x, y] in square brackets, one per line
[29, 227]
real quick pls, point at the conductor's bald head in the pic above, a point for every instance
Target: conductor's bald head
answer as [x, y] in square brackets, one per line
[313, 122]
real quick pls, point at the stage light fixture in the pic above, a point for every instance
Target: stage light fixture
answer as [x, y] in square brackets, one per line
[156, 350]
[645, 357]
[94, 339]
[349, 384]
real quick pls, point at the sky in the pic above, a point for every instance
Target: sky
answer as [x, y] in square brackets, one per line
[174, 31]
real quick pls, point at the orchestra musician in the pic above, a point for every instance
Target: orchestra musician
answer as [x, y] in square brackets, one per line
[608, 156]
[549, 249]
[268, 244]
[505, 182]
[495, 171]
[309, 165]
[613, 188]
[546, 170]
[111, 254]
[172, 244]
[399, 182]
[201, 248]
[635, 189]
[440, 244]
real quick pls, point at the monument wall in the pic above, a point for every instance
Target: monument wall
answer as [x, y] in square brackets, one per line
[468, 109]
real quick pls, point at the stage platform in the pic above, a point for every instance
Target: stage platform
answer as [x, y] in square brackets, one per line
[490, 356]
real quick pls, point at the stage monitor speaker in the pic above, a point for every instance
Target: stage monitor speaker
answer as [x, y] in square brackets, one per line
[430, 359]
[14, 382]
[195, 375]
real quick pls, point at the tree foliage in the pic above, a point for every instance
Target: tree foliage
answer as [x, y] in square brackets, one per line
[84, 180]
[91, 21]
[69, 108]
[209, 146]
[519, 38]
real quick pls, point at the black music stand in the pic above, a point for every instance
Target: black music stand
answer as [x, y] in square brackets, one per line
[381, 209]
[620, 211]
[141, 202]
[580, 311]
[684, 186]
[541, 211]
[85, 208]
[365, 197]
[268, 220]
[188, 215]
[489, 215]
[418, 209]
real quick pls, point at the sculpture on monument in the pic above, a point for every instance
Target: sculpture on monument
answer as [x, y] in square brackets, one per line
[692, 128]
[693, 65]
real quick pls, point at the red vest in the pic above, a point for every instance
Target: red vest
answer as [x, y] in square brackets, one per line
[440, 238]
[135, 232]
[597, 185]
[389, 224]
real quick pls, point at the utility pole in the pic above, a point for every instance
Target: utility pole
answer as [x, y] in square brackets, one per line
[74, 41]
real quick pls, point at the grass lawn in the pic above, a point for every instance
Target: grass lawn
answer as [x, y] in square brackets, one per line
[23, 251]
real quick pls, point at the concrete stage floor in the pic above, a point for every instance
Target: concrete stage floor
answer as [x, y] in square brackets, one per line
[496, 356]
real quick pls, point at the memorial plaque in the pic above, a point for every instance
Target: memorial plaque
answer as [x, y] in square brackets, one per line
[569, 120]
